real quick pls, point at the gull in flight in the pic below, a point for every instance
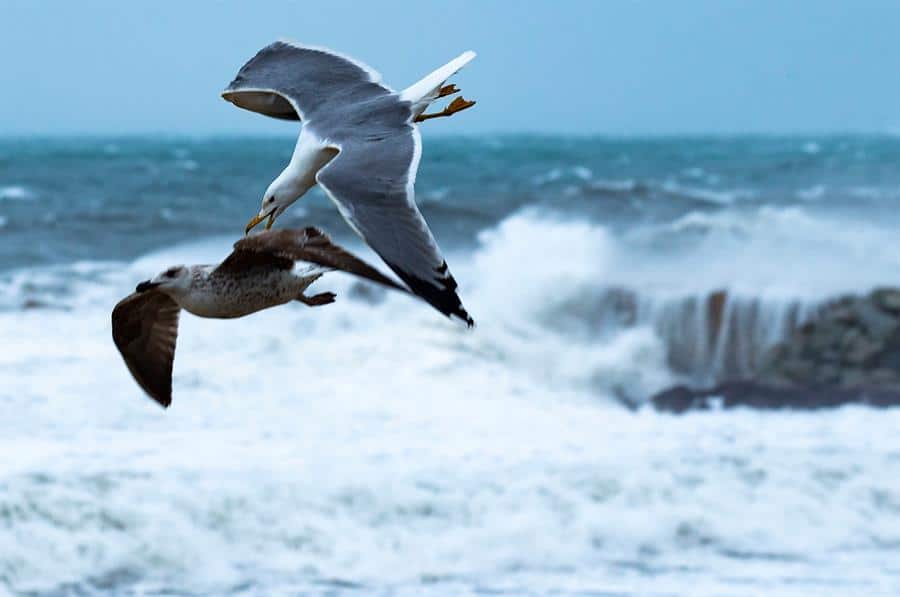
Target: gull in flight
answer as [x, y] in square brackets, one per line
[257, 275]
[361, 144]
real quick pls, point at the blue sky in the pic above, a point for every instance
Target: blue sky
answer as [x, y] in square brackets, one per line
[635, 67]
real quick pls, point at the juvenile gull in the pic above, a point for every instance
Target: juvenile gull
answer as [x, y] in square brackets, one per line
[360, 143]
[257, 275]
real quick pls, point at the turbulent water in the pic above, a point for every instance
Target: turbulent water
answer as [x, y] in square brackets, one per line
[372, 446]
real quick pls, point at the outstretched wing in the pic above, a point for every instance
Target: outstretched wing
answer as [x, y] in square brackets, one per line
[371, 181]
[291, 81]
[310, 245]
[144, 329]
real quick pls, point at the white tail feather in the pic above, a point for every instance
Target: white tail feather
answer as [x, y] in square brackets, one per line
[422, 93]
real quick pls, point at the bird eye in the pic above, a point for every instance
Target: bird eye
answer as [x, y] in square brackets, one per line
[270, 200]
[170, 273]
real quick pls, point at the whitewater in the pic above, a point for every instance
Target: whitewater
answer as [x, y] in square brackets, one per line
[406, 455]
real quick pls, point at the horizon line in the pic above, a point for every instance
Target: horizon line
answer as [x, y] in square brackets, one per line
[73, 135]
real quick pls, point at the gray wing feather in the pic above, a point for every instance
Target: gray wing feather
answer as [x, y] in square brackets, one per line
[289, 81]
[371, 182]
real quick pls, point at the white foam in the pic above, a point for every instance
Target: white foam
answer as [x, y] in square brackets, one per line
[615, 186]
[189, 165]
[758, 252]
[582, 172]
[578, 171]
[15, 193]
[724, 197]
[547, 177]
[382, 445]
[812, 193]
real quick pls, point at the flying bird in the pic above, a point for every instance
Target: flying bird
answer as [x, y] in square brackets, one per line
[361, 144]
[257, 275]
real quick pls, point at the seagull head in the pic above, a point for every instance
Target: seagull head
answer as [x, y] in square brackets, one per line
[276, 199]
[174, 279]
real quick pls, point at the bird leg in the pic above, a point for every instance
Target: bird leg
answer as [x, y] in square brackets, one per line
[317, 300]
[448, 90]
[457, 105]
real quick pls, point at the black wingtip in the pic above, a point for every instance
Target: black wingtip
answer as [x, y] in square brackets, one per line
[463, 316]
[441, 294]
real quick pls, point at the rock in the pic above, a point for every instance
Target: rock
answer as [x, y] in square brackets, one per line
[751, 394]
[887, 377]
[715, 311]
[827, 373]
[853, 377]
[861, 351]
[888, 299]
[842, 312]
[849, 339]
[851, 336]
[876, 323]
[848, 352]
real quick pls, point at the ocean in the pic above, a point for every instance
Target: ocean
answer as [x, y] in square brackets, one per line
[374, 447]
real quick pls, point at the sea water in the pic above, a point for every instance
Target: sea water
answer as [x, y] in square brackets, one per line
[372, 446]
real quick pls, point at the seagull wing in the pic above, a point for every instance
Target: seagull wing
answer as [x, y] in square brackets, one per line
[310, 245]
[144, 329]
[290, 81]
[242, 260]
[371, 182]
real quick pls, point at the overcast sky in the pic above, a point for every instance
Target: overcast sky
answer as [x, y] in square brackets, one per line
[635, 67]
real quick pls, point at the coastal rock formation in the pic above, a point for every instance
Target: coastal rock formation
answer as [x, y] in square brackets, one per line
[848, 352]
[754, 394]
[854, 341]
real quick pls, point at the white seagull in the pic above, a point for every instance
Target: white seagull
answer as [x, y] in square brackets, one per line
[361, 144]
[257, 275]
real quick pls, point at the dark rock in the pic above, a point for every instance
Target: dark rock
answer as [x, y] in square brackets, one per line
[862, 351]
[877, 323]
[715, 311]
[889, 358]
[752, 394]
[842, 312]
[849, 352]
[887, 299]
[884, 376]
[842, 346]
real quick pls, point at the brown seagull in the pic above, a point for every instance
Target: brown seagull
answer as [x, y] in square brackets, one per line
[257, 275]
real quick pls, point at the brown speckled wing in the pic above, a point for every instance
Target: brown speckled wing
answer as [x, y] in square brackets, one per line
[311, 245]
[144, 329]
[241, 261]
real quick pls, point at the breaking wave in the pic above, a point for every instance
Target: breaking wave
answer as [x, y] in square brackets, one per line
[373, 445]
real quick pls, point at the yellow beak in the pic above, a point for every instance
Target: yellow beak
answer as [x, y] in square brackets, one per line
[255, 220]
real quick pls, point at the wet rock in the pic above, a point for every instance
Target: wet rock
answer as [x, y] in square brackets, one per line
[876, 323]
[715, 309]
[888, 299]
[751, 394]
[849, 352]
[862, 351]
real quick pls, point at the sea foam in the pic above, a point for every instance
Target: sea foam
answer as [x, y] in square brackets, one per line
[376, 446]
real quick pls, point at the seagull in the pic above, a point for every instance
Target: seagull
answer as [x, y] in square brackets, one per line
[361, 144]
[257, 275]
